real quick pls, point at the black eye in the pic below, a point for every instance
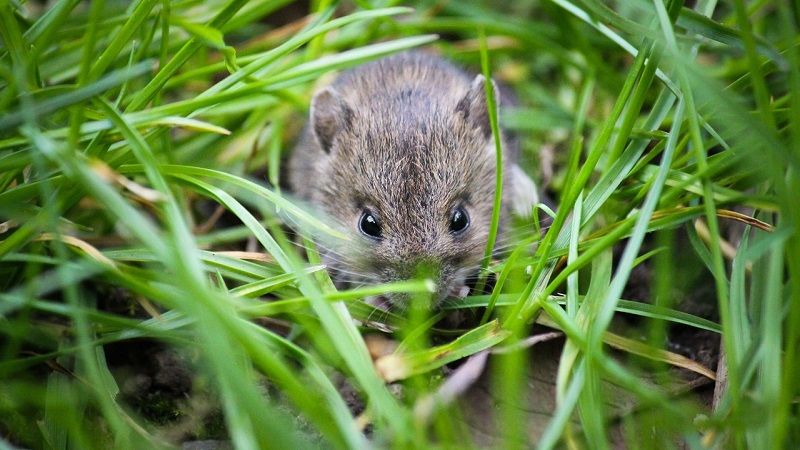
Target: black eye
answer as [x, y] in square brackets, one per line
[459, 221]
[369, 225]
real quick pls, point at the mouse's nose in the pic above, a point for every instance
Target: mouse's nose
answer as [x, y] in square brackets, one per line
[418, 268]
[447, 283]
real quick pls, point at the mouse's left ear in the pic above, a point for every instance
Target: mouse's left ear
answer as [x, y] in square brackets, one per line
[473, 106]
[329, 115]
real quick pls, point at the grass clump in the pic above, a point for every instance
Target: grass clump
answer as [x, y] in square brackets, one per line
[143, 253]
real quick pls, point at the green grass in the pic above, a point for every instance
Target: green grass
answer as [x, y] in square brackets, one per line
[140, 205]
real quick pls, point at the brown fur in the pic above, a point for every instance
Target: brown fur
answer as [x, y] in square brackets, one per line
[407, 137]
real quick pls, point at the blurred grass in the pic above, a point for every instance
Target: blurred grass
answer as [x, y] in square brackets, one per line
[136, 141]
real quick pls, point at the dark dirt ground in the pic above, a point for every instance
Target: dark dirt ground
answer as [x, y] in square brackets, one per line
[160, 384]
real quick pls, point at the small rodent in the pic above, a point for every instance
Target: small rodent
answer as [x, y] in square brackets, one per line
[400, 153]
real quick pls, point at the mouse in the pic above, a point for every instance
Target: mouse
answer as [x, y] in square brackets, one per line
[398, 154]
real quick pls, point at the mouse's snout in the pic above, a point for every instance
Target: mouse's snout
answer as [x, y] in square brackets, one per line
[405, 268]
[408, 268]
[437, 270]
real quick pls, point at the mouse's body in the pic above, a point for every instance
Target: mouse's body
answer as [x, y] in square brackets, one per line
[400, 153]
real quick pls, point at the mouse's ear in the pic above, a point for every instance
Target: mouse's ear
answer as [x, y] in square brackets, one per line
[329, 115]
[473, 106]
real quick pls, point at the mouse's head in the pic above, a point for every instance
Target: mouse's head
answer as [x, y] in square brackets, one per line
[411, 176]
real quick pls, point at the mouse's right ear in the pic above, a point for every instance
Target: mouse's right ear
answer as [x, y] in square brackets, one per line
[473, 107]
[329, 115]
